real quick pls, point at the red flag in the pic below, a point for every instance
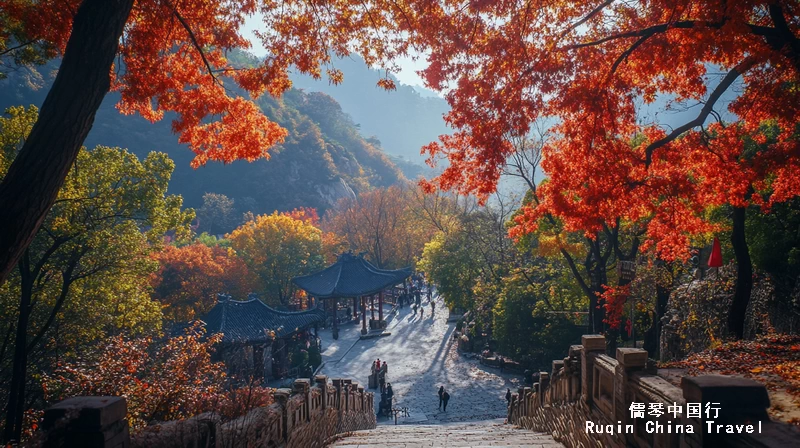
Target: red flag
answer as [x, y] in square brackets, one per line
[715, 260]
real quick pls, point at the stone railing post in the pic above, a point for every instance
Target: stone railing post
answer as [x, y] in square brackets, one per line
[544, 385]
[556, 376]
[282, 398]
[359, 397]
[629, 360]
[302, 386]
[575, 356]
[338, 383]
[90, 422]
[731, 401]
[321, 382]
[593, 345]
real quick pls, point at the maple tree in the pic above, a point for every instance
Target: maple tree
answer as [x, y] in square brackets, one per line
[168, 57]
[586, 67]
[190, 277]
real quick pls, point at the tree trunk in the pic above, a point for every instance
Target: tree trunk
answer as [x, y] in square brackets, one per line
[744, 274]
[15, 407]
[652, 338]
[31, 185]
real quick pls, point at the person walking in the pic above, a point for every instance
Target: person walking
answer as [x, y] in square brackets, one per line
[421, 312]
[508, 397]
[441, 392]
[445, 399]
[433, 308]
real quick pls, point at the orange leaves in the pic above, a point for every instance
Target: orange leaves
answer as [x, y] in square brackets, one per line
[176, 58]
[771, 359]
[180, 369]
[190, 277]
[584, 68]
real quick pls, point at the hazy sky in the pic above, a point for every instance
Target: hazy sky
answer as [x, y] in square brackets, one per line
[409, 67]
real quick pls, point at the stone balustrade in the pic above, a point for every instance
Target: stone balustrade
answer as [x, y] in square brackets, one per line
[305, 416]
[589, 386]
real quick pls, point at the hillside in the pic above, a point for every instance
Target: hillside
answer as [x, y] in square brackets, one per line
[403, 119]
[323, 159]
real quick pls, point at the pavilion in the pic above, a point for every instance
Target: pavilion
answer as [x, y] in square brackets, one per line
[256, 339]
[352, 277]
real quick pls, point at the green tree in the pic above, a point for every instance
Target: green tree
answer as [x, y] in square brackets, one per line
[85, 274]
[217, 215]
[452, 266]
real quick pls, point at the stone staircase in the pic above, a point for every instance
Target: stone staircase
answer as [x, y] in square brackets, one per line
[492, 433]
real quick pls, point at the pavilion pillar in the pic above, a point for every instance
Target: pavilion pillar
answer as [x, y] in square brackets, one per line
[363, 316]
[355, 307]
[335, 318]
[372, 306]
[380, 306]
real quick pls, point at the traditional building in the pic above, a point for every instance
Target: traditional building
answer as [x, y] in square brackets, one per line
[257, 339]
[352, 277]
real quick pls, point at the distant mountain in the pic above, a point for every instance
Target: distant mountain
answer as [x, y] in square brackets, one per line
[324, 158]
[403, 120]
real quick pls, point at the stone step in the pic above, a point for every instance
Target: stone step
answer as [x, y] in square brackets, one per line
[493, 434]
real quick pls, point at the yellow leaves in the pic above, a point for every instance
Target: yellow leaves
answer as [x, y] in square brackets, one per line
[277, 248]
[551, 245]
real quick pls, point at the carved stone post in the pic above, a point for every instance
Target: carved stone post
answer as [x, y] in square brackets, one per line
[91, 422]
[302, 386]
[593, 345]
[557, 390]
[282, 398]
[629, 360]
[734, 400]
[322, 383]
[544, 384]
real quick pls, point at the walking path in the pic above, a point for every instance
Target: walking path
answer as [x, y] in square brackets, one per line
[422, 356]
[493, 434]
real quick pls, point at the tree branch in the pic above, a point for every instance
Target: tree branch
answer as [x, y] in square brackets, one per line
[707, 108]
[195, 43]
[586, 18]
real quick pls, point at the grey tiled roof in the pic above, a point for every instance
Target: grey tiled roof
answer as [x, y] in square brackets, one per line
[250, 320]
[350, 276]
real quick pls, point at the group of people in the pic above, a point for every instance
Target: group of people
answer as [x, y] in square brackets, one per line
[379, 370]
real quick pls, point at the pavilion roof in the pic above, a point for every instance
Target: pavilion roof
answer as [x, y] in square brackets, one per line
[350, 276]
[250, 321]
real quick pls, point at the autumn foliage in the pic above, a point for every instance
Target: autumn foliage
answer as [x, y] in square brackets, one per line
[190, 277]
[174, 59]
[590, 68]
[175, 380]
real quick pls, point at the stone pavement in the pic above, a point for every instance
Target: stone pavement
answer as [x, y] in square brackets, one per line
[478, 434]
[422, 356]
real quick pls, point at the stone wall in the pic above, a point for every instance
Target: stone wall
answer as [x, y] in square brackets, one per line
[589, 386]
[306, 416]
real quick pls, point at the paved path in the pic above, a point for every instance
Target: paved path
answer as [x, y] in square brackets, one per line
[492, 434]
[422, 356]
